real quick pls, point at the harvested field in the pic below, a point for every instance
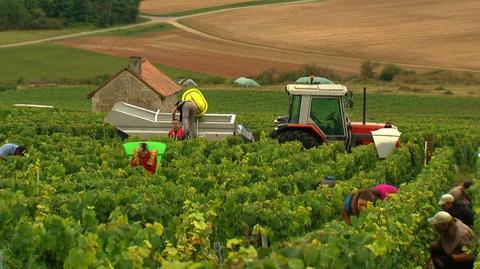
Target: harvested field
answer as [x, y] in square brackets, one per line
[182, 49]
[435, 33]
[417, 34]
[169, 6]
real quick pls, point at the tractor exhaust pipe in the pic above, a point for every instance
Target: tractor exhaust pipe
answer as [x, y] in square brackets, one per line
[364, 104]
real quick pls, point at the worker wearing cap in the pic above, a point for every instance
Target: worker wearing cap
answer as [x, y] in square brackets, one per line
[460, 211]
[455, 245]
[11, 149]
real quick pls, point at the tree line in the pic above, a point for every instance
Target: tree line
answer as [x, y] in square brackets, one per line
[54, 14]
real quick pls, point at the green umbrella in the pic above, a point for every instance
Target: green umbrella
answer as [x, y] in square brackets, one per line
[246, 82]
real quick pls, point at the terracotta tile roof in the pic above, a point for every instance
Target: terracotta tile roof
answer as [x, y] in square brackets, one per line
[157, 80]
[152, 77]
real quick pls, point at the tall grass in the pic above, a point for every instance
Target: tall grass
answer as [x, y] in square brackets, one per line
[17, 36]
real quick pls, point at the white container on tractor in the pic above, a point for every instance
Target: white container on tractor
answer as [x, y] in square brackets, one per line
[317, 115]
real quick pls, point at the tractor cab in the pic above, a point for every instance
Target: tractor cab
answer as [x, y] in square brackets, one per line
[317, 115]
[320, 105]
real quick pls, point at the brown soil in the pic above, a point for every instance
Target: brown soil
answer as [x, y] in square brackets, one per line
[434, 33]
[189, 51]
[168, 6]
[338, 34]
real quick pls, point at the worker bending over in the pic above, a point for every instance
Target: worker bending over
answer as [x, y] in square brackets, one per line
[11, 149]
[357, 202]
[460, 194]
[187, 117]
[142, 156]
[455, 245]
[460, 210]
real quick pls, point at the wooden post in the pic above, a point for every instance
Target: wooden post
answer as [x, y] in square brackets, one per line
[428, 149]
[364, 104]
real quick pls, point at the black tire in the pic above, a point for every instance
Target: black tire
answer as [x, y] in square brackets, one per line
[307, 140]
[274, 134]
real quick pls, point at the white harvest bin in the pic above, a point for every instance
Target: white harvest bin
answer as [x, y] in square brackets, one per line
[385, 141]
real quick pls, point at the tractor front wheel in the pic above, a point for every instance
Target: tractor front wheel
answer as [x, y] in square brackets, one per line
[307, 140]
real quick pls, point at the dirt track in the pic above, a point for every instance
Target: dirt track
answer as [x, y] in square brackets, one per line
[431, 33]
[168, 6]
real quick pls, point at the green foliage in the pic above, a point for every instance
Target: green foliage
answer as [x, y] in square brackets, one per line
[76, 198]
[45, 14]
[438, 76]
[61, 97]
[13, 14]
[475, 197]
[74, 202]
[393, 234]
[272, 76]
[389, 72]
[141, 30]
[268, 77]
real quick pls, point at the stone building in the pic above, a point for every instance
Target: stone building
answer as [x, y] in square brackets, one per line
[140, 84]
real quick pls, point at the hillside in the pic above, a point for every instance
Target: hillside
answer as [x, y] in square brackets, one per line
[337, 34]
[429, 33]
[168, 6]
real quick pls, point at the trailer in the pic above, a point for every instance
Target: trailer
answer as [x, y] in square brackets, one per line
[144, 123]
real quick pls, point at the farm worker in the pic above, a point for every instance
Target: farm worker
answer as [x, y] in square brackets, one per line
[356, 202]
[460, 211]
[11, 149]
[176, 133]
[187, 117]
[142, 156]
[454, 247]
[384, 190]
[329, 180]
[459, 193]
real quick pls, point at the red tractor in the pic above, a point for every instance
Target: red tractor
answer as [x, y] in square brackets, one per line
[317, 115]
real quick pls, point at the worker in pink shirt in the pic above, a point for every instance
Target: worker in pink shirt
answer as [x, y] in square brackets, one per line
[384, 190]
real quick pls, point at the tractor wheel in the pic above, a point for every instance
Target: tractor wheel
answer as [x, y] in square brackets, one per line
[307, 140]
[274, 134]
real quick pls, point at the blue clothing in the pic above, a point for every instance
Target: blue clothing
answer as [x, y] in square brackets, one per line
[346, 204]
[7, 149]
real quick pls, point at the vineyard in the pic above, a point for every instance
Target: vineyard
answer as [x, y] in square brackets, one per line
[74, 201]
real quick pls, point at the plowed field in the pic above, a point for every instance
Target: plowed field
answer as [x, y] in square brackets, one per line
[168, 6]
[185, 50]
[430, 32]
[338, 34]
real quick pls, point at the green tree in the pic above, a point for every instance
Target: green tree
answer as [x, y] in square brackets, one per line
[13, 15]
[389, 72]
[35, 14]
